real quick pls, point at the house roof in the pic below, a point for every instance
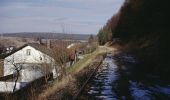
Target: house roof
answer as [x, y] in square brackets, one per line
[37, 46]
[42, 48]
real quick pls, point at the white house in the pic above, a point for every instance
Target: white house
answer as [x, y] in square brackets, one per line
[33, 60]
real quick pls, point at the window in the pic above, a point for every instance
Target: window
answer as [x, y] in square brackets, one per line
[28, 52]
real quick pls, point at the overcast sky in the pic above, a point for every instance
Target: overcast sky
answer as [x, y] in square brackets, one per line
[71, 16]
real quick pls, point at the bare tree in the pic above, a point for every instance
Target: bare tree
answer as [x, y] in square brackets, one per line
[61, 58]
[17, 67]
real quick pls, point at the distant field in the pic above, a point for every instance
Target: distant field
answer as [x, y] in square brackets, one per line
[14, 41]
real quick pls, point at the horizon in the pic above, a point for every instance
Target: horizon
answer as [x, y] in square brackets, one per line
[46, 33]
[56, 16]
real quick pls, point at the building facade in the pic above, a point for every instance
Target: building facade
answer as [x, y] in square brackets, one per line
[32, 61]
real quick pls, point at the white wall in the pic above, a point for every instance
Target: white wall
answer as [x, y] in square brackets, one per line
[30, 73]
[8, 86]
[21, 57]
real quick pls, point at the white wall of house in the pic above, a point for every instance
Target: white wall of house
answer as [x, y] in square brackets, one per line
[8, 86]
[31, 72]
[34, 57]
[21, 57]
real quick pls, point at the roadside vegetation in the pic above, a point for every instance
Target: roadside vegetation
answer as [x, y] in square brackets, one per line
[76, 74]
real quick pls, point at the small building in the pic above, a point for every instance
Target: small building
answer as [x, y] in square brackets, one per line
[33, 60]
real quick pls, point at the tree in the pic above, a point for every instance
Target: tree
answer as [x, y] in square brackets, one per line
[106, 33]
[91, 39]
[61, 58]
[17, 67]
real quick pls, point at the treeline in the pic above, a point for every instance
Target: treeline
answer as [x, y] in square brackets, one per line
[48, 35]
[136, 18]
[143, 27]
[139, 18]
[105, 33]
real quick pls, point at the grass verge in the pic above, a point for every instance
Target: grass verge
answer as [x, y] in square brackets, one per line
[78, 69]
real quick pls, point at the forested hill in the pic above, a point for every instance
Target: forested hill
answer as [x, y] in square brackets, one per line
[143, 27]
[142, 17]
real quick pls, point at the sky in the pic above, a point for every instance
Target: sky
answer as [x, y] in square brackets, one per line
[68, 16]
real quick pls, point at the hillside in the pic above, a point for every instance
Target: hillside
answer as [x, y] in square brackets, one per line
[143, 27]
[44, 35]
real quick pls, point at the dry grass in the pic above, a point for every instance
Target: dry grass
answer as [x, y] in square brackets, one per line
[79, 66]
[57, 86]
[1, 67]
